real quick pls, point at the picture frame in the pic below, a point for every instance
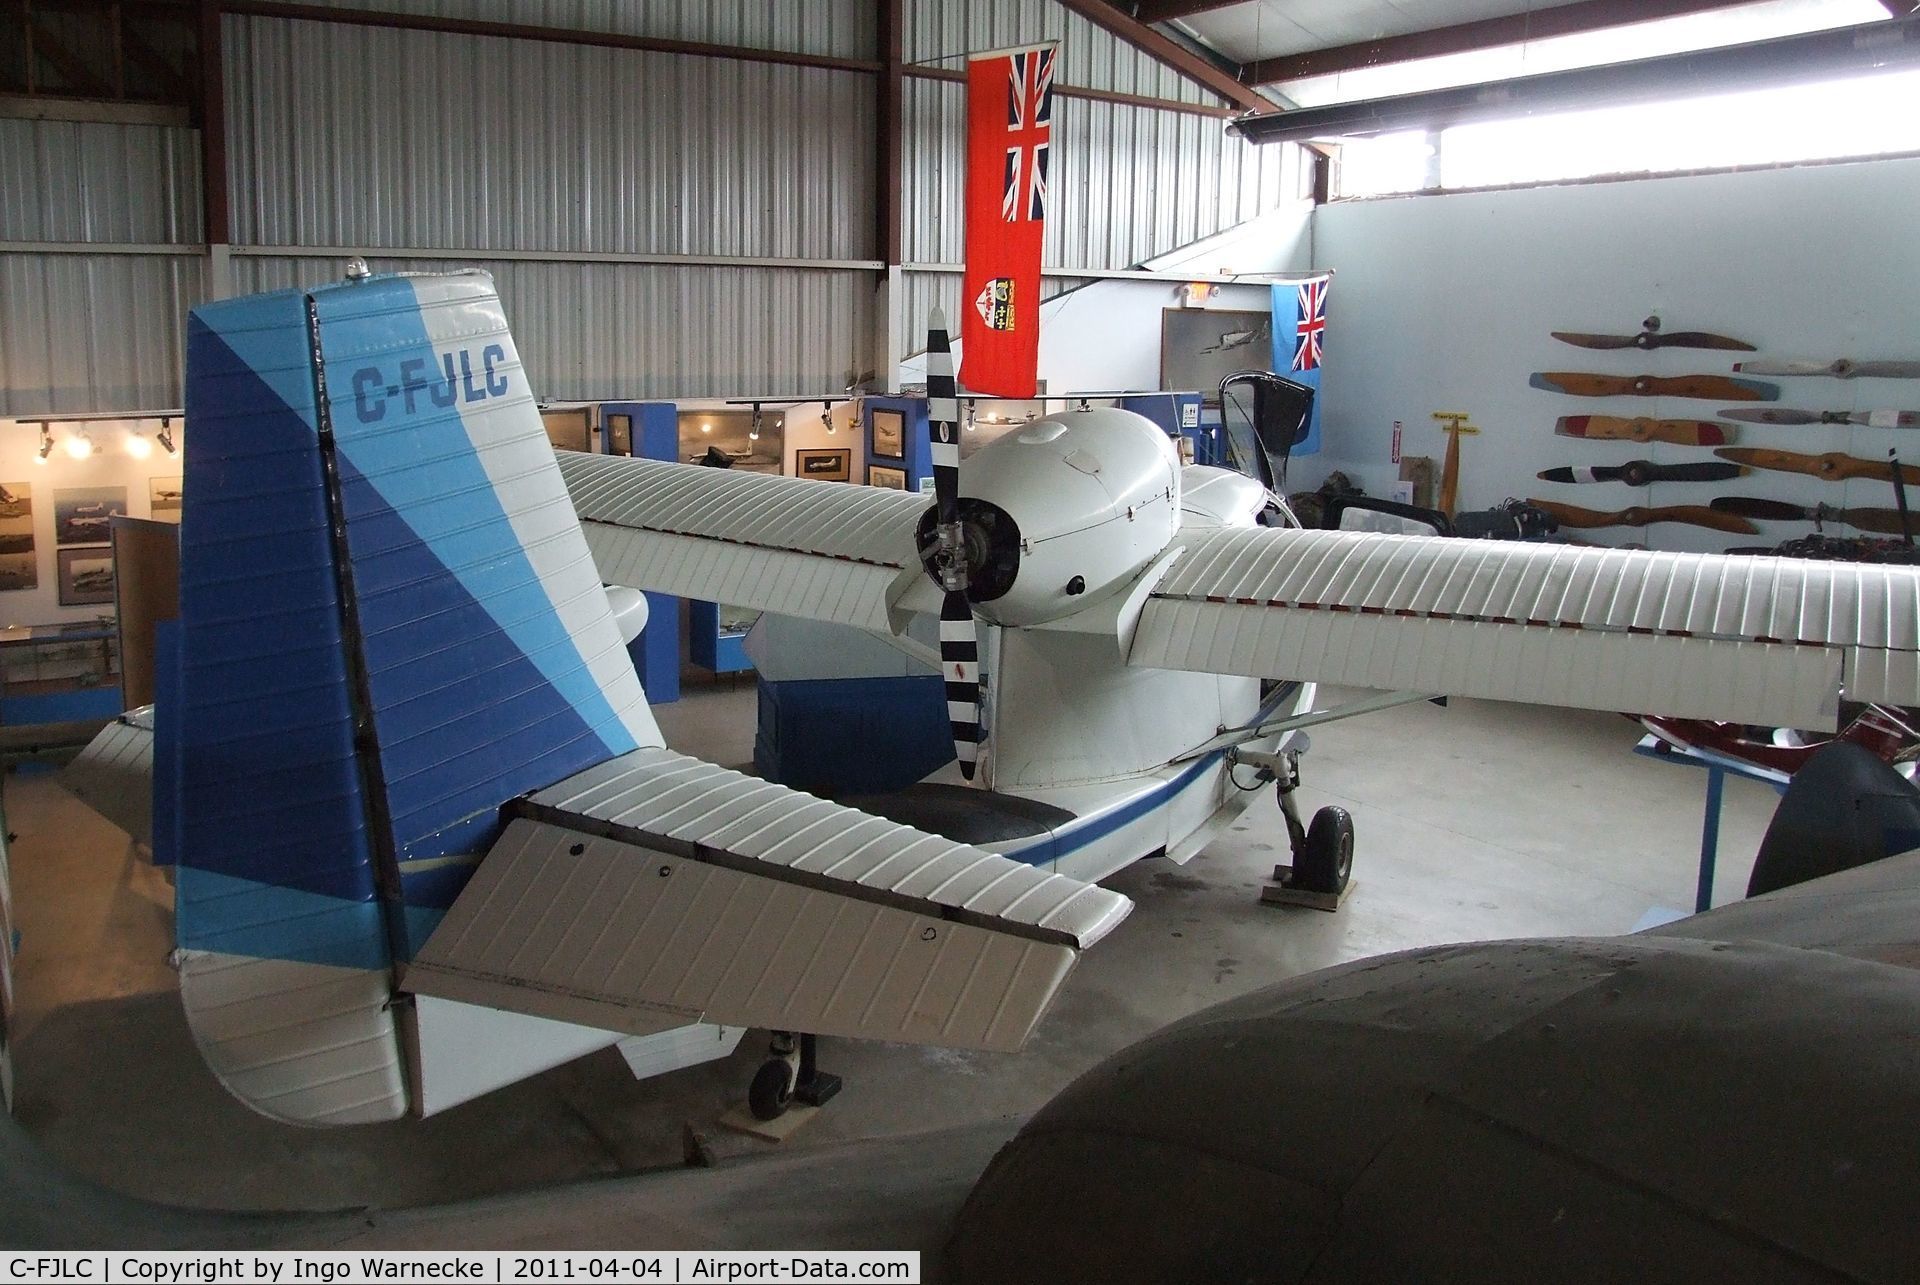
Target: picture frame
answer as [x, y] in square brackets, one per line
[86, 576]
[889, 433]
[164, 495]
[891, 479]
[84, 514]
[619, 435]
[1201, 346]
[824, 464]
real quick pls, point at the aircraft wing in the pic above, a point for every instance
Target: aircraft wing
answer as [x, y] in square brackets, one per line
[113, 775]
[657, 889]
[1773, 641]
[788, 545]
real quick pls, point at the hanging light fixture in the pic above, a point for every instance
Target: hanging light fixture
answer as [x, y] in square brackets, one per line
[753, 428]
[826, 417]
[138, 446]
[80, 445]
[46, 445]
[165, 437]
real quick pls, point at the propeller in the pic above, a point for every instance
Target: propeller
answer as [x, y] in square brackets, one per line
[959, 635]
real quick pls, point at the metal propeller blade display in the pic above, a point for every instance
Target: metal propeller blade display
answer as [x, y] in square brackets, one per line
[1708, 387]
[959, 634]
[1844, 368]
[1780, 415]
[1679, 432]
[1882, 521]
[1642, 473]
[1688, 514]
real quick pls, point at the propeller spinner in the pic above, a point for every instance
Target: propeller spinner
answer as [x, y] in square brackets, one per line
[959, 635]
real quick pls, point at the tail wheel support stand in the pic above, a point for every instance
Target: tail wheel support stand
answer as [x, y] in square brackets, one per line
[790, 1074]
[1321, 876]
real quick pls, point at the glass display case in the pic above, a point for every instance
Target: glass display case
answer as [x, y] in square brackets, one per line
[49, 673]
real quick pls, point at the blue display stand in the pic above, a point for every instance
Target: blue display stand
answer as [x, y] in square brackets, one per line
[916, 450]
[842, 736]
[656, 652]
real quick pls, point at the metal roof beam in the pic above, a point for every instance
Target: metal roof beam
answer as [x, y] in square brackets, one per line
[1469, 37]
[1225, 79]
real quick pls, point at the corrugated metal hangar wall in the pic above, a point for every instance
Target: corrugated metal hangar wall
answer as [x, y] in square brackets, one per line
[660, 224]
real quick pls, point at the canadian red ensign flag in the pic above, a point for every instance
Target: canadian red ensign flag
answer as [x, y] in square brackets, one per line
[1009, 144]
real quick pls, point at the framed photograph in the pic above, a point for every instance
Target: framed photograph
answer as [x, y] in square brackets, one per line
[19, 571]
[16, 519]
[84, 514]
[824, 465]
[889, 433]
[86, 576]
[893, 479]
[163, 498]
[619, 434]
[1201, 346]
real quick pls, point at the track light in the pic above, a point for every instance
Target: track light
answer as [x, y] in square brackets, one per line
[46, 445]
[165, 437]
[80, 445]
[753, 428]
[970, 417]
[826, 417]
[138, 446]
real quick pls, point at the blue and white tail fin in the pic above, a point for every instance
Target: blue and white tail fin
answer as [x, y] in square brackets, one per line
[390, 625]
[407, 759]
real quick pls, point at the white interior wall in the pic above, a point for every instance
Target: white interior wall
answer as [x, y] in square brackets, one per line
[1107, 335]
[111, 466]
[1445, 302]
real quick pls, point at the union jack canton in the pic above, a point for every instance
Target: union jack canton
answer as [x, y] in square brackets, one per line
[1029, 135]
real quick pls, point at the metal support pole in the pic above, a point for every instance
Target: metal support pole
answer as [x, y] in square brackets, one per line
[1709, 839]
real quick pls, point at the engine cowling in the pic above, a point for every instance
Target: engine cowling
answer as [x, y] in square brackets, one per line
[1064, 512]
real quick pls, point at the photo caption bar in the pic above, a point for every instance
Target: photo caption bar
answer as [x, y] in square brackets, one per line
[283, 1267]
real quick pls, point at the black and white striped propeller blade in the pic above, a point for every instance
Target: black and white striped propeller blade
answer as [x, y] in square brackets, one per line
[959, 636]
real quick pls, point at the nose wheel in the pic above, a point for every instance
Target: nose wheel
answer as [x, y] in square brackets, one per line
[790, 1074]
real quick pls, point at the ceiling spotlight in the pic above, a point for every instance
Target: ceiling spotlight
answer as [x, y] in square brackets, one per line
[753, 428]
[79, 445]
[165, 437]
[138, 446]
[706, 428]
[46, 445]
[826, 417]
[970, 417]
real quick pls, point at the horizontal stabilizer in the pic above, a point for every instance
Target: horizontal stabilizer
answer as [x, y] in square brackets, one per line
[780, 544]
[1772, 641]
[660, 887]
[113, 775]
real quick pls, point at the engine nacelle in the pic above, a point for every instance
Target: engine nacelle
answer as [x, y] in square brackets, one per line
[1065, 511]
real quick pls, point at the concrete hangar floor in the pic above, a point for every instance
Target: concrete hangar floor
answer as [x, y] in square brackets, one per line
[1478, 821]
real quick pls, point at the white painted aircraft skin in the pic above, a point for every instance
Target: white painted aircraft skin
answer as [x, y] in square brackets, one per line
[1123, 665]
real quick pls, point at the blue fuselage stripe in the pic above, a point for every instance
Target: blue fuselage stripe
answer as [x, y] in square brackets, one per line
[1079, 834]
